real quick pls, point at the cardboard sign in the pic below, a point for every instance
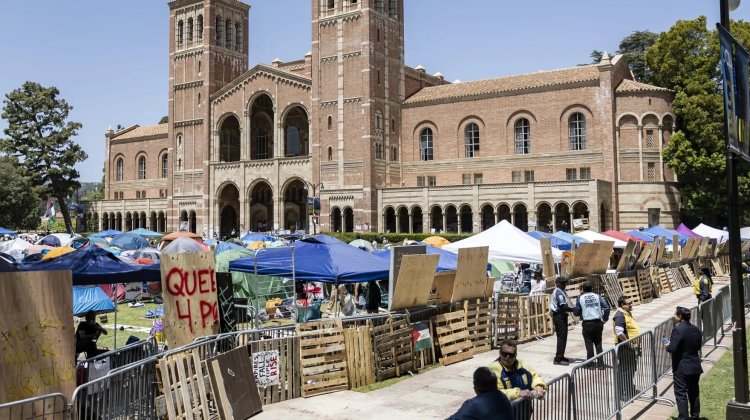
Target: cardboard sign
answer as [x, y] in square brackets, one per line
[37, 344]
[191, 306]
[266, 368]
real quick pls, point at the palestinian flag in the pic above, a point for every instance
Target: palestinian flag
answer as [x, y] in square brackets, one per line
[421, 335]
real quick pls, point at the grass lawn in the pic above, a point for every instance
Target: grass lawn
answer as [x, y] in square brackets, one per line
[126, 316]
[717, 386]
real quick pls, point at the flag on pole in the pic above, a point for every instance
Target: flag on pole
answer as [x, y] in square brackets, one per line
[50, 213]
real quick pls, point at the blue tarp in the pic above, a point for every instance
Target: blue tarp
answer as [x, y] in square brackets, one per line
[4, 231]
[570, 237]
[226, 246]
[655, 231]
[129, 240]
[320, 258]
[94, 265]
[640, 235]
[147, 233]
[253, 237]
[447, 261]
[105, 233]
[90, 298]
[557, 242]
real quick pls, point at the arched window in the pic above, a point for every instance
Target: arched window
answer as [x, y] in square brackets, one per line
[190, 30]
[179, 164]
[165, 165]
[142, 167]
[180, 32]
[292, 141]
[425, 144]
[238, 36]
[200, 26]
[472, 140]
[395, 154]
[331, 4]
[261, 143]
[577, 131]
[219, 30]
[523, 137]
[330, 153]
[229, 33]
[120, 171]
[330, 123]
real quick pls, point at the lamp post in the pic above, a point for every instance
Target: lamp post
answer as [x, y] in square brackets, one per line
[738, 406]
[315, 189]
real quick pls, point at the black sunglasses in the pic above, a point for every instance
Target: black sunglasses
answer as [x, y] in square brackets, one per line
[506, 354]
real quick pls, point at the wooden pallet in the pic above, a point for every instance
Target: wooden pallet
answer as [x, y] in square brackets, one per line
[505, 314]
[359, 362]
[645, 287]
[452, 337]
[629, 287]
[535, 321]
[478, 323]
[683, 277]
[184, 386]
[574, 288]
[655, 282]
[613, 288]
[290, 378]
[393, 348]
[665, 280]
[718, 269]
[323, 357]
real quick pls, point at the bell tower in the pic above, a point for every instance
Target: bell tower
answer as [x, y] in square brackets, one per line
[208, 48]
[358, 88]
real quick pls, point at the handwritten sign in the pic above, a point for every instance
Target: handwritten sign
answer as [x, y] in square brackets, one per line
[266, 368]
[37, 347]
[190, 300]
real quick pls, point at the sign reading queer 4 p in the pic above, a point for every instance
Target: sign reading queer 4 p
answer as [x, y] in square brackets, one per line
[191, 306]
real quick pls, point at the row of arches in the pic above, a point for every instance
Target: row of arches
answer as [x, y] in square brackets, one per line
[156, 221]
[295, 132]
[142, 166]
[462, 218]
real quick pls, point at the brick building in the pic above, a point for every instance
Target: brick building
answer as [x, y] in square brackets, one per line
[383, 146]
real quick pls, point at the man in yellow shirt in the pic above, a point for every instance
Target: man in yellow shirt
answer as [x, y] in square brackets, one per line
[515, 379]
[627, 354]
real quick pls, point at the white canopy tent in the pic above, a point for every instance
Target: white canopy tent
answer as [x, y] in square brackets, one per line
[506, 242]
[709, 232]
[595, 236]
[14, 248]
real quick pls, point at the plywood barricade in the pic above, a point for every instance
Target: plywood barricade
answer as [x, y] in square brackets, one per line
[359, 356]
[548, 261]
[505, 316]
[393, 348]
[288, 383]
[471, 274]
[627, 259]
[534, 318]
[443, 285]
[233, 386]
[37, 354]
[184, 386]
[191, 306]
[415, 280]
[478, 314]
[592, 259]
[452, 337]
[323, 357]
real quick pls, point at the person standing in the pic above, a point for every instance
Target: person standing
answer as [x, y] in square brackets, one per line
[703, 287]
[594, 312]
[684, 345]
[489, 403]
[627, 355]
[560, 307]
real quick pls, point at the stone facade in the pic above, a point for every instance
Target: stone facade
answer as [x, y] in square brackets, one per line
[383, 146]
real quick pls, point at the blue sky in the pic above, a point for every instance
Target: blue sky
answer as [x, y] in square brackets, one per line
[110, 58]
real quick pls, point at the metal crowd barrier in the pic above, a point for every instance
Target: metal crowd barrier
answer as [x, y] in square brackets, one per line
[662, 358]
[556, 403]
[594, 391]
[123, 356]
[47, 407]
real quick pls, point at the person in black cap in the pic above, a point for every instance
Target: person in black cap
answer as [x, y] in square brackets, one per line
[560, 307]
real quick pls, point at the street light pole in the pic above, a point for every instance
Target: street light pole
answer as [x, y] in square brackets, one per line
[315, 189]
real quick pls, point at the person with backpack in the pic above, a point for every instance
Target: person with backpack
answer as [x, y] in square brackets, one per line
[703, 286]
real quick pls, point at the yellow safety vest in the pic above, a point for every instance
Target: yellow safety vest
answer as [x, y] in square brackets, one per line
[630, 326]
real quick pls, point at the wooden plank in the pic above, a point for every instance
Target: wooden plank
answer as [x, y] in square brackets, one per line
[393, 349]
[322, 364]
[535, 321]
[505, 316]
[662, 249]
[358, 352]
[37, 353]
[629, 287]
[644, 256]
[290, 384]
[191, 306]
[645, 286]
[613, 288]
[184, 385]
[415, 281]
[454, 343]
[652, 259]
[592, 259]
[627, 257]
[675, 248]
[548, 261]
[233, 384]
[442, 283]
[471, 273]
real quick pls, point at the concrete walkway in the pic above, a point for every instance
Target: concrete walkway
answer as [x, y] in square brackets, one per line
[438, 393]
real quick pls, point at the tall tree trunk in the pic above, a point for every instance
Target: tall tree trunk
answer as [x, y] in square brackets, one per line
[65, 213]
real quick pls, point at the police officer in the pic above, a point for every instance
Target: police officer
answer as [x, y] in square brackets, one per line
[560, 307]
[594, 312]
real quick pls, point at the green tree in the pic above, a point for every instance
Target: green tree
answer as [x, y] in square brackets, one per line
[685, 59]
[19, 208]
[164, 119]
[39, 135]
[634, 47]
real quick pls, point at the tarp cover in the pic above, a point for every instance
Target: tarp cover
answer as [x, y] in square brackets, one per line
[181, 245]
[15, 248]
[129, 240]
[570, 237]
[622, 236]
[106, 233]
[446, 261]
[320, 258]
[147, 233]
[94, 265]
[667, 233]
[556, 242]
[596, 236]
[4, 231]
[90, 298]
[640, 235]
[713, 233]
[253, 236]
[687, 232]
[506, 242]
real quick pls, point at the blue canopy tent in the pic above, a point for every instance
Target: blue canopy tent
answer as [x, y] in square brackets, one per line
[655, 231]
[9, 232]
[93, 265]
[557, 242]
[91, 298]
[105, 233]
[640, 235]
[253, 237]
[570, 237]
[447, 260]
[129, 240]
[226, 246]
[147, 233]
[320, 258]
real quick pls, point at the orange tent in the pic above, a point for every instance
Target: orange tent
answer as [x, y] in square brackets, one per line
[181, 234]
[56, 252]
[436, 241]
